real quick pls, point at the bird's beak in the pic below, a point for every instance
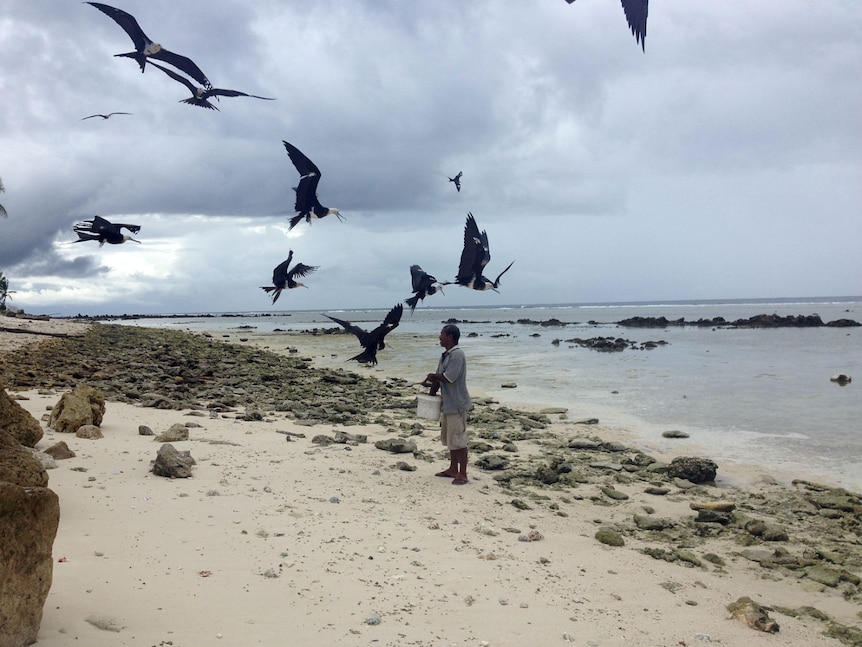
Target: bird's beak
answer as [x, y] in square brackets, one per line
[135, 240]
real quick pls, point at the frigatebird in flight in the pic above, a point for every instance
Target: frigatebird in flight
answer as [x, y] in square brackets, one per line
[423, 286]
[474, 258]
[145, 48]
[104, 231]
[457, 181]
[636, 15]
[372, 341]
[285, 279]
[200, 94]
[107, 116]
[307, 205]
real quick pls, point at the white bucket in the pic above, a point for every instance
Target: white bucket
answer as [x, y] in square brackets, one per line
[428, 406]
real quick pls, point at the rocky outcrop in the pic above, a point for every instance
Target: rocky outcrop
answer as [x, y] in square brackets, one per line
[83, 405]
[29, 517]
[17, 422]
[696, 470]
[757, 321]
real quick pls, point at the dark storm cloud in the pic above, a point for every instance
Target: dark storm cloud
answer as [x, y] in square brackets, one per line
[730, 137]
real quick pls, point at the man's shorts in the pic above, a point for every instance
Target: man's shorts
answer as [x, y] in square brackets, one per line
[453, 430]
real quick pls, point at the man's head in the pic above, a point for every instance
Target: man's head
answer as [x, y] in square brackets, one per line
[449, 336]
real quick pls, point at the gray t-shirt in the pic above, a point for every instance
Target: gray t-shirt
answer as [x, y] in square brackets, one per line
[456, 398]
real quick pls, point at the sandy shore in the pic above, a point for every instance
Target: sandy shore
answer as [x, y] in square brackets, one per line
[277, 540]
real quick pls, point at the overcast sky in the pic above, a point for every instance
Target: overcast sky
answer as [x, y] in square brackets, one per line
[723, 162]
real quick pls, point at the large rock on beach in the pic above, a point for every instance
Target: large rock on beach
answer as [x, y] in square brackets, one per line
[693, 469]
[18, 465]
[752, 614]
[176, 432]
[60, 451]
[81, 406]
[17, 422]
[29, 517]
[397, 445]
[172, 463]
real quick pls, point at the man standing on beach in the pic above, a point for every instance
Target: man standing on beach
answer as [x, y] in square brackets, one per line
[451, 380]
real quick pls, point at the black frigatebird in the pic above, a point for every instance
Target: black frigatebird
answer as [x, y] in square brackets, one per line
[457, 181]
[307, 205]
[200, 94]
[146, 48]
[285, 279]
[372, 341]
[636, 15]
[104, 231]
[474, 258]
[107, 116]
[423, 286]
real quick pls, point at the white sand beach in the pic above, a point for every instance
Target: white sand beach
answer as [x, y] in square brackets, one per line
[276, 540]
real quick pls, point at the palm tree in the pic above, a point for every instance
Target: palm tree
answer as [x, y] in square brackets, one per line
[2, 208]
[4, 291]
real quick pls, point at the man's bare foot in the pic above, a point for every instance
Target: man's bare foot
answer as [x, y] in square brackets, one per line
[460, 480]
[446, 474]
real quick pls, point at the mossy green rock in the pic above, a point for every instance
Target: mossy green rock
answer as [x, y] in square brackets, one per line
[610, 537]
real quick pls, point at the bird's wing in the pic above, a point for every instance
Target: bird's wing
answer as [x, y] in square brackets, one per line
[636, 15]
[201, 103]
[132, 228]
[301, 269]
[127, 22]
[361, 335]
[220, 92]
[393, 317]
[486, 250]
[390, 323]
[306, 191]
[83, 236]
[472, 254]
[183, 63]
[279, 273]
[417, 274]
[90, 117]
[300, 161]
[177, 77]
[103, 226]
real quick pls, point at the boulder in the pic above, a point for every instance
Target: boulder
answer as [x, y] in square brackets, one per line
[172, 463]
[175, 433]
[695, 470]
[19, 466]
[752, 614]
[89, 432]
[17, 422]
[60, 451]
[396, 445]
[29, 518]
[83, 405]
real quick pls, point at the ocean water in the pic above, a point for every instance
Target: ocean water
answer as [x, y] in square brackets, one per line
[749, 396]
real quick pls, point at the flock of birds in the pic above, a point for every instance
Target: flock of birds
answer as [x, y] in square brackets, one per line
[475, 253]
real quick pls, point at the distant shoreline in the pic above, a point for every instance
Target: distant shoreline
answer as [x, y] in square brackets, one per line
[659, 303]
